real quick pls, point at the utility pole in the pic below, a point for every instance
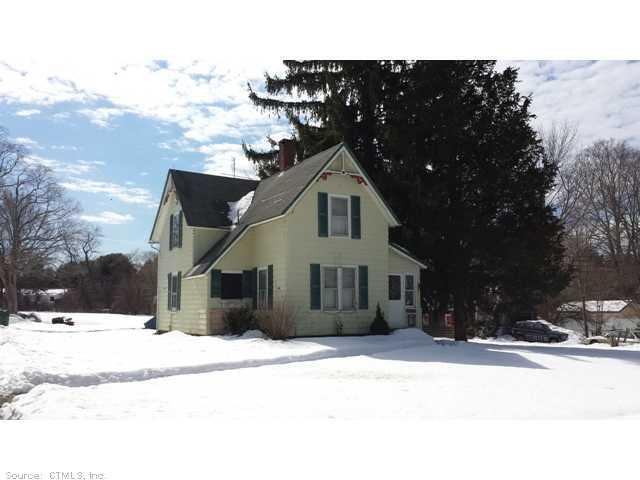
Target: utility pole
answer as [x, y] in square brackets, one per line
[234, 167]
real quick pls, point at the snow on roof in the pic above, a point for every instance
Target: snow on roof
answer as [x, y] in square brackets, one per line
[607, 306]
[237, 209]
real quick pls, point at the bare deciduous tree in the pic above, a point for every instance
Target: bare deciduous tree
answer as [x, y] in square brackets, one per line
[34, 218]
[10, 154]
[81, 244]
[559, 143]
[610, 202]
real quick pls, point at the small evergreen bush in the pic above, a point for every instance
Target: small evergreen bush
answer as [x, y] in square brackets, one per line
[238, 320]
[379, 326]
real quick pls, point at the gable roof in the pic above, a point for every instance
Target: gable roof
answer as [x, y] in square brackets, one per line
[272, 198]
[277, 194]
[205, 198]
[403, 252]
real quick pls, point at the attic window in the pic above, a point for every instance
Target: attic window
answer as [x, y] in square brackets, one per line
[339, 219]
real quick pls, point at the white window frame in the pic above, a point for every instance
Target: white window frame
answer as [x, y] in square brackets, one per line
[348, 199]
[266, 289]
[173, 292]
[404, 291]
[356, 287]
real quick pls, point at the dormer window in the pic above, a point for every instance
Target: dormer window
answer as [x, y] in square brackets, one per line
[339, 218]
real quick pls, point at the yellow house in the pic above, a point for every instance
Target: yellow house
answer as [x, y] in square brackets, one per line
[315, 235]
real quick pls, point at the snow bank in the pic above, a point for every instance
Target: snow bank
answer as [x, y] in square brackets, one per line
[84, 322]
[238, 209]
[29, 358]
[486, 380]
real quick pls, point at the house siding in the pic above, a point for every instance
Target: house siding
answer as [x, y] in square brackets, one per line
[260, 246]
[306, 247]
[401, 264]
[290, 244]
[192, 316]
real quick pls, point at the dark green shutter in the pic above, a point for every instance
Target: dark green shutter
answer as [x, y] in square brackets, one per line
[216, 283]
[363, 290]
[355, 216]
[170, 231]
[254, 287]
[179, 290]
[180, 229]
[270, 288]
[314, 280]
[246, 284]
[169, 291]
[323, 214]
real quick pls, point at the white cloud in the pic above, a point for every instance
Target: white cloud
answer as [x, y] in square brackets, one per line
[220, 160]
[602, 98]
[27, 142]
[203, 98]
[80, 167]
[135, 195]
[72, 148]
[109, 218]
[27, 112]
[144, 174]
[101, 116]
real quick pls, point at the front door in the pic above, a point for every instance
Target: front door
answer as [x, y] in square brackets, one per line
[396, 301]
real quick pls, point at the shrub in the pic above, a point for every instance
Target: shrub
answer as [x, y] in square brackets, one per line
[379, 326]
[278, 323]
[238, 320]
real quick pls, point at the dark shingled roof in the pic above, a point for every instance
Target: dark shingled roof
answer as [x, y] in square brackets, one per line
[273, 197]
[204, 197]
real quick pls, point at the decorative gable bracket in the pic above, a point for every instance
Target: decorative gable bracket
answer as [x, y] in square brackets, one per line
[358, 178]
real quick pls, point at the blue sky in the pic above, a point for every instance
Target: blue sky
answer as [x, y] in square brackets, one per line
[110, 131]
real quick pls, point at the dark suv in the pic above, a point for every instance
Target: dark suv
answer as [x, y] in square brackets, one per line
[537, 331]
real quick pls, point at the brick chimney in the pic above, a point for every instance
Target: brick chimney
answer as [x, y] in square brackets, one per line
[286, 153]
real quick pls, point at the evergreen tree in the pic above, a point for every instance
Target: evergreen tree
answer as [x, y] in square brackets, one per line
[334, 101]
[451, 146]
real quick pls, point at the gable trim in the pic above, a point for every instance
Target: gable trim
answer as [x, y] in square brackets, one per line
[160, 205]
[369, 185]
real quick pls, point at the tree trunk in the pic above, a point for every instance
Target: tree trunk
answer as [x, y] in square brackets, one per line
[459, 318]
[12, 293]
[584, 317]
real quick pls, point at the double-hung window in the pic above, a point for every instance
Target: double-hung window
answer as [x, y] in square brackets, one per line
[409, 291]
[263, 289]
[339, 288]
[175, 231]
[339, 216]
[174, 291]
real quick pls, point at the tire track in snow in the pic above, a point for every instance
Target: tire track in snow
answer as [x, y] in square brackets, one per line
[30, 378]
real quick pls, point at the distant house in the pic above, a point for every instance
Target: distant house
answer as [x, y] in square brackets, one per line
[42, 299]
[314, 235]
[612, 314]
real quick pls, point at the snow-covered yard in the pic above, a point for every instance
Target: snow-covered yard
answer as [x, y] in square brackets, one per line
[128, 372]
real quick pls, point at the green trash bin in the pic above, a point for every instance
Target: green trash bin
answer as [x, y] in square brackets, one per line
[4, 318]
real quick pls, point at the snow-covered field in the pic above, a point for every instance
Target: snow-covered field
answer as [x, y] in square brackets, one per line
[115, 371]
